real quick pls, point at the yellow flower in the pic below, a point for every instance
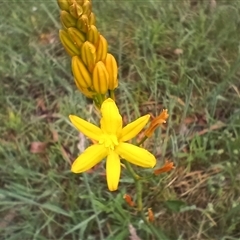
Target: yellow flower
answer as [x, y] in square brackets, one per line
[111, 138]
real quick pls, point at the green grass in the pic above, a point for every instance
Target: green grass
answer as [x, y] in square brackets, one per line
[41, 199]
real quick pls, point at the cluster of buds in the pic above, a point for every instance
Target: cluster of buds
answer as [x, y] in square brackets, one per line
[94, 69]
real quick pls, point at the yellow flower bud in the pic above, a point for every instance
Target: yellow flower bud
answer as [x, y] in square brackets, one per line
[80, 73]
[67, 19]
[93, 35]
[102, 49]
[87, 8]
[100, 78]
[80, 2]
[88, 55]
[92, 19]
[68, 44]
[85, 91]
[83, 23]
[77, 37]
[75, 10]
[111, 66]
[63, 4]
[70, 2]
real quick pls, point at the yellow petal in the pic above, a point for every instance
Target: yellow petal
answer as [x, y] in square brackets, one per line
[88, 129]
[89, 158]
[133, 128]
[113, 169]
[111, 121]
[136, 155]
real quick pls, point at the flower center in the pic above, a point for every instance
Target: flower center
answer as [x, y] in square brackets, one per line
[109, 141]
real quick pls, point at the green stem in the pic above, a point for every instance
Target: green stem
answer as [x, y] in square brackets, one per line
[97, 101]
[137, 183]
[131, 171]
[142, 141]
[112, 95]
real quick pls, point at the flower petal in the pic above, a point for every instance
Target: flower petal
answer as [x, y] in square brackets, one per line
[89, 158]
[88, 129]
[136, 155]
[111, 121]
[133, 128]
[113, 169]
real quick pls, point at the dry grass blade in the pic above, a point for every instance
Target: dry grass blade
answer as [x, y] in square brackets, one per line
[215, 126]
[7, 219]
[133, 233]
[213, 4]
[38, 147]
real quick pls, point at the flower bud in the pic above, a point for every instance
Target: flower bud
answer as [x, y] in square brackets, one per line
[85, 91]
[83, 23]
[87, 8]
[102, 49]
[88, 55]
[75, 10]
[100, 78]
[77, 37]
[68, 44]
[80, 2]
[63, 4]
[70, 2]
[67, 19]
[111, 66]
[80, 73]
[92, 19]
[93, 35]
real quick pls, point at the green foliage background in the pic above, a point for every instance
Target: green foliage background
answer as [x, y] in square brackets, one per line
[181, 55]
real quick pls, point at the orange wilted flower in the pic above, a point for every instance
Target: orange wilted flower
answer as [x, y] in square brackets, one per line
[157, 121]
[150, 215]
[128, 200]
[168, 166]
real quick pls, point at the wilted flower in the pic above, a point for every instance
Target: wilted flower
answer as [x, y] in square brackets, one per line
[128, 200]
[168, 166]
[151, 217]
[157, 121]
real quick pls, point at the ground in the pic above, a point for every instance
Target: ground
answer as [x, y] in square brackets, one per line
[180, 55]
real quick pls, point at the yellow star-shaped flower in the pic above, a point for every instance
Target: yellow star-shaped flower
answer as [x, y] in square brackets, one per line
[111, 138]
